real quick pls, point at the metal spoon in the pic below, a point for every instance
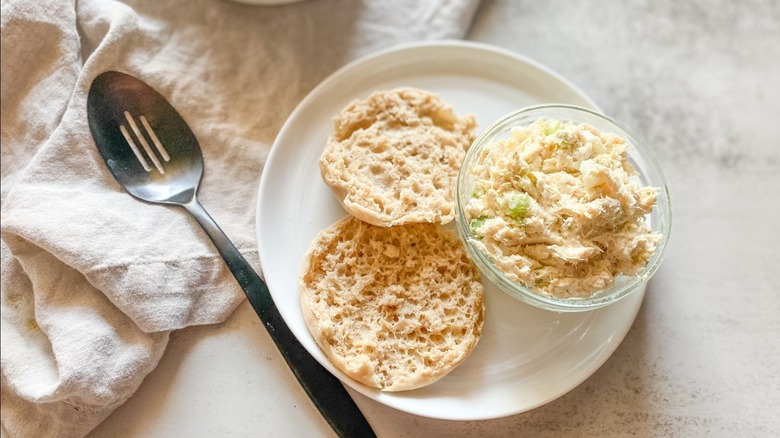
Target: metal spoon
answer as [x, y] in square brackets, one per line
[154, 155]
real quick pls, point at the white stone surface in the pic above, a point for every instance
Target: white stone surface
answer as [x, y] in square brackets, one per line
[700, 80]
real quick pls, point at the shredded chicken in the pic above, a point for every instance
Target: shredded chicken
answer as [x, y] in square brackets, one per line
[559, 208]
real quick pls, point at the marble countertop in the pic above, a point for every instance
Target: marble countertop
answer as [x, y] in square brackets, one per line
[700, 81]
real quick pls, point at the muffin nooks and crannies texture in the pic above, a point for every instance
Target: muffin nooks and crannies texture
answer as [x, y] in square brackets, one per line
[394, 308]
[393, 158]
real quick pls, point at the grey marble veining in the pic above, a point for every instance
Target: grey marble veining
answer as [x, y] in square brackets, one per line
[700, 81]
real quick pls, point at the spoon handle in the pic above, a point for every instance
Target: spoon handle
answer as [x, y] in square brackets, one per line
[324, 389]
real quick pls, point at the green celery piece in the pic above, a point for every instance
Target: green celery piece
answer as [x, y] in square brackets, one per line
[519, 205]
[551, 126]
[476, 223]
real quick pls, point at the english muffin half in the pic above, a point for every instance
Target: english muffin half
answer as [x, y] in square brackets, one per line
[394, 308]
[394, 157]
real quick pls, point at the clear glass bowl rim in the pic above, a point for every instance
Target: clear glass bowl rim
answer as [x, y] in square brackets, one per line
[526, 294]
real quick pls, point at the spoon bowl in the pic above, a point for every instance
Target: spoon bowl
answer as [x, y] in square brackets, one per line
[120, 106]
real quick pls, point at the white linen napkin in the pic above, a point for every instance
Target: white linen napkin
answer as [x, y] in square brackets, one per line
[93, 280]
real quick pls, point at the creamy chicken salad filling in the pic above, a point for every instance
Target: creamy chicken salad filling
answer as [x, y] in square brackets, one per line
[559, 208]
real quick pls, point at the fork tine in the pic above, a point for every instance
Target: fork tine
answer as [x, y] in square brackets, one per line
[144, 143]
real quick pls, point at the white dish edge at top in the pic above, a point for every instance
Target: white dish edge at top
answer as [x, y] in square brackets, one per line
[527, 357]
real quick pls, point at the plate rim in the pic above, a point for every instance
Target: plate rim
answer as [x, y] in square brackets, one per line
[325, 84]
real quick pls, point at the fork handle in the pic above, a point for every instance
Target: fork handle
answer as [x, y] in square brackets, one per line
[325, 390]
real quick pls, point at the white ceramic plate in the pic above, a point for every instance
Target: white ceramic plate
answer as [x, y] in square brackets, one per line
[527, 356]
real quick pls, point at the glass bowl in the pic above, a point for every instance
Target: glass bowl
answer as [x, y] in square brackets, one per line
[640, 156]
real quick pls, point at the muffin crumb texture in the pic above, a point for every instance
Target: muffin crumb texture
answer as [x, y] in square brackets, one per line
[394, 308]
[393, 158]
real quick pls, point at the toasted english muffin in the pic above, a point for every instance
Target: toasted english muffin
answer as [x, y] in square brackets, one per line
[394, 157]
[394, 308]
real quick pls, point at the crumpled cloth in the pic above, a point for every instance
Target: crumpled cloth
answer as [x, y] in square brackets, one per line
[94, 280]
